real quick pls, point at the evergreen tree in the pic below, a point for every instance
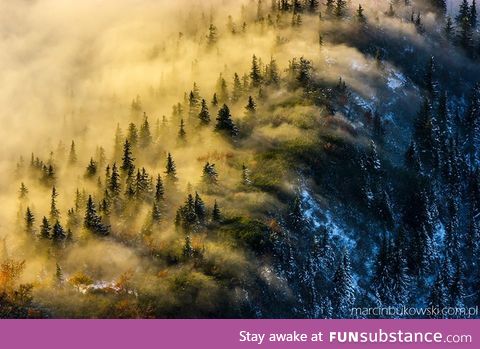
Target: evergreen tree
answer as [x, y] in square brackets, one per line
[23, 192]
[272, 75]
[255, 74]
[473, 14]
[145, 134]
[429, 79]
[58, 274]
[210, 175]
[72, 157]
[296, 218]
[329, 7]
[159, 190]
[58, 234]
[127, 160]
[182, 135]
[187, 248]
[200, 209]
[456, 290]
[91, 169]
[29, 221]
[204, 115]
[216, 214]
[54, 212]
[222, 95]
[472, 123]
[118, 143]
[45, 229]
[340, 8]
[156, 213]
[92, 221]
[343, 293]
[251, 107]
[313, 6]
[449, 29]
[225, 123]
[132, 135]
[214, 101]
[114, 183]
[212, 36]
[171, 169]
[463, 12]
[237, 88]
[360, 14]
[438, 296]
[304, 73]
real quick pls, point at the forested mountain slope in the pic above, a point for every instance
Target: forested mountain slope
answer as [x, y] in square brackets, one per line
[286, 159]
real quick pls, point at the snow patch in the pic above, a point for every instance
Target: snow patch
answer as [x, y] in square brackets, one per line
[396, 80]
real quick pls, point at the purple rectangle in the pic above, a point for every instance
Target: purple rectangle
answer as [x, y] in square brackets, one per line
[120, 334]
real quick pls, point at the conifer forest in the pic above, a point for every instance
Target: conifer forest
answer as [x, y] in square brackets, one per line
[238, 159]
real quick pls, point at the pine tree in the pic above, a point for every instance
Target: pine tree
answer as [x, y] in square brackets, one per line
[255, 74]
[23, 192]
[58, 274]
[430, 84]
[194, 101]
[472, 123]
[329, 7]
[156, 213]
[29, 221]
[463, 12]
[216, 214]
[92, 221]
[210, 175]
[45, 229]
[145, 134]
[438, 296]
[296, 218]
[340, 8]
[251, 107]
[127, 160]
[225, 123]
[222, 95]
[118, 143]
[272, 73]
[114, 183]
[54, 212]
[58, 234]
[91, 169]
[212, 36]
[313, 6]
[132, 135]
[237, 88]
[343, 293]
[159, 190]
[304, 73]
[456, 290]
[170, 169]
[182, 135]
[200, 209]
[187, 248]
[360, 15]
[473, 14]
[449, 29]
[72, 157]
[204, 115]
[214, 101]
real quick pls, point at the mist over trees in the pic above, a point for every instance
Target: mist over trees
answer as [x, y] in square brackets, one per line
[256, 160]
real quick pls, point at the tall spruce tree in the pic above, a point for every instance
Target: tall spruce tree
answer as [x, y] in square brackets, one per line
[225, 123]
